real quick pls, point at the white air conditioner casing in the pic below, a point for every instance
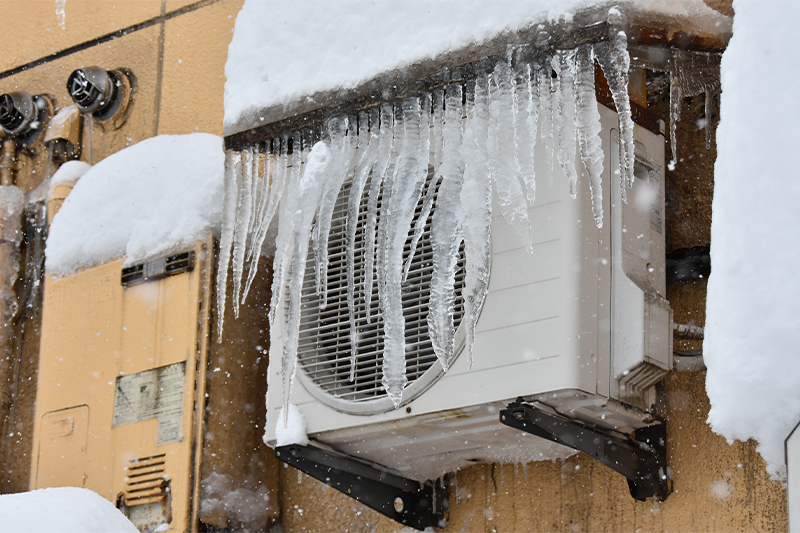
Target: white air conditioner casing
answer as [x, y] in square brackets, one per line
[581, 326]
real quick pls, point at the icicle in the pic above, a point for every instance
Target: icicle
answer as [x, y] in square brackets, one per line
[691, 73]
[229, 203]
[241, 226]
[524, 135]
[309, 190]
[277, 176]
[342, 146]
[368, 141]
[709, 117]
[476, 199]
[447, 232]
[430, 194]
[615, 62]
[260, 204]
[285, 228]
[543, 77]
[386, 149]
[588, 126]
[567, 134]
[406, 186]
[533, 124]
[255, 194]
[501, 154]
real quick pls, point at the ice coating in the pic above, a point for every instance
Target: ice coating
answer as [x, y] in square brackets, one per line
[446, 233]
[501, 144]
[386, 154]
[524, 129]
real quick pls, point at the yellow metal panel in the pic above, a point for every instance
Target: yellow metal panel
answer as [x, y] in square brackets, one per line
[101, 343]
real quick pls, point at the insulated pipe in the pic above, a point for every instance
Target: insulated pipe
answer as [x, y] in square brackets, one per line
[686, 332]
[7, 163]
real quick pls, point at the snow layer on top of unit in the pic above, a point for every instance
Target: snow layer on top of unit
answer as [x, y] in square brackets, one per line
[285, 55]
[753, 309]
[140, 203]
[61, 510]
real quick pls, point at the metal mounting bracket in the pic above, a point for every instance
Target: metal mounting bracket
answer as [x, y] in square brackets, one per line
[406, 501]
[642, 459]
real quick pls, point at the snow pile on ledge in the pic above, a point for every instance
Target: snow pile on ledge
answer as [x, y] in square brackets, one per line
[292, 429]
[69, 172]
[61, 510]
[140, 203]
[753, 307]
[283, 54]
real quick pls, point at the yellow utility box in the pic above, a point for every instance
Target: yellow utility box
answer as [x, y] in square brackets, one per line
[120, 391]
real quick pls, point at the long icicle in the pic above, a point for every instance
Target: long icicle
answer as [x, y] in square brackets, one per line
[243, 214]
[614, 60]
[278, 178]
[386, 150]
[229, 203]
[368, 142]
[447, 232]
[341, 132]
[308, 194]
[588, 125]
[567, 133]
[476, 197]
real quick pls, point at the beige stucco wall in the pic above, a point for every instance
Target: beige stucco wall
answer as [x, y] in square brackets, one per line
[718, 487]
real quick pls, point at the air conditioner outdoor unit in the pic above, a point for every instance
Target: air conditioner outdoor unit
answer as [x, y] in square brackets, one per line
[580, 327]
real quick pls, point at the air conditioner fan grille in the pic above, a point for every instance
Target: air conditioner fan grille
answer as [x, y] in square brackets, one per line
[324, 349]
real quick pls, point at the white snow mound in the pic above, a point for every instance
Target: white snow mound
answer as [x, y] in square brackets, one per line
[61, 510]
[753, 310]
[282, 53]
[294, 432]
[140, 203]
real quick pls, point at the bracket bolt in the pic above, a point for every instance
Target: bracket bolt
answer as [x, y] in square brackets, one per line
[398, 504]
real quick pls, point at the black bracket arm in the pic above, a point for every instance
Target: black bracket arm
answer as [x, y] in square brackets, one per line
[406, 501]
[642, 459]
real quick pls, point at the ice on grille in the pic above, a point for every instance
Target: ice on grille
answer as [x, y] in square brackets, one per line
[442, 153]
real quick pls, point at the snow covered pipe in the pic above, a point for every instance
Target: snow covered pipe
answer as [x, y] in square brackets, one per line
[7, 164]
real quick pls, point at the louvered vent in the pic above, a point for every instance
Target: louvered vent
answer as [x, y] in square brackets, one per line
[324, 347]
[145, 481]
[158, 268]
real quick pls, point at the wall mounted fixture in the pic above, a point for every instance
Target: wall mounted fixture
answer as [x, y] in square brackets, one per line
[24, 117]
[104, 94]
[63, 135]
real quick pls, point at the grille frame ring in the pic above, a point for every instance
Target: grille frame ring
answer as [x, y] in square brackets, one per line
[416, 386]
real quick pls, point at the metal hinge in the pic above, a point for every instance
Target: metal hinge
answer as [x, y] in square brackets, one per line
[641, 459]
[411, 503]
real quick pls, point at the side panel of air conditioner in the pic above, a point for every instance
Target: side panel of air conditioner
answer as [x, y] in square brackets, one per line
[545, 333]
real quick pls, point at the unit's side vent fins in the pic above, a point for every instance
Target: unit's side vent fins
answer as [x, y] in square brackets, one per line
[145, 481]
[158, 268]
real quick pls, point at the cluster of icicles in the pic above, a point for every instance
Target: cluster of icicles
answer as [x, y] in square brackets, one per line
[483, 133]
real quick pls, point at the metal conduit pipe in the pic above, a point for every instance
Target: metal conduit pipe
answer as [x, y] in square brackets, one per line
[7, 163]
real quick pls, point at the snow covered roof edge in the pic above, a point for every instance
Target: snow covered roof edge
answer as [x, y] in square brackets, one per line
[254, 99]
